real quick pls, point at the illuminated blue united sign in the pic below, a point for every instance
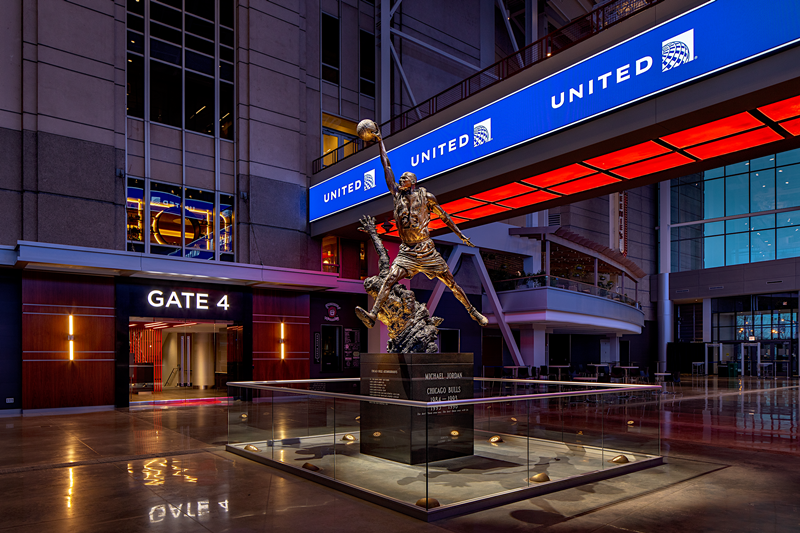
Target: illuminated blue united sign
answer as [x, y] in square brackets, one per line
[715, 36]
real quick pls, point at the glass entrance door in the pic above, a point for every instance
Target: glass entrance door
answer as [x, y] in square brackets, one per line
[179, 361]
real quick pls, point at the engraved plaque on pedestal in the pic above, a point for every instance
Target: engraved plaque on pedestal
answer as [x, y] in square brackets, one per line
[405, 434]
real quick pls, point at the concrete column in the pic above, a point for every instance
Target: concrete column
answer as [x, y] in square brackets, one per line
[533, 346]
[665, 322]
[707, 320]
[613, 352]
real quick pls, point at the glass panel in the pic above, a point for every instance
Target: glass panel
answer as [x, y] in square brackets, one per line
[762, 163]
[165, 52]
[713, 198]
[788, 158]
[200, 63]
[165, 94]
[736, 195]
[201, 45]
[135, 86]
[788, 243]
[714, 173]
[329, 144]
[762, 191]
[714, 228]
[330, 254]
[790, 218]
[737, 168]
[226, 13]
[201, 8]
[226, 221]
[226, 37]
[763, 245]
[762, 222]
[165, 33]
[135, 23]
[200, 27]
[367, 63]
[165, 214]
[714, 252]
[226, 71]
[135, 6]
[737, 225]
[199, 103]
[737, 249]
[199, 225]
[226, 104]
[788, 181]
[226, 54]
[135, 208]
[165, 15]
[135, 42]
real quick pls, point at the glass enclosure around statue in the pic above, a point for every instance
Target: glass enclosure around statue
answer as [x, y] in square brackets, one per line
[519, 436]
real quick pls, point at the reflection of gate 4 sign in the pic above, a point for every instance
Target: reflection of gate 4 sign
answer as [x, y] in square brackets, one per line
[187, 300]
[333, 312]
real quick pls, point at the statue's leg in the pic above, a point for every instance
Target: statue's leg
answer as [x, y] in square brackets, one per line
[461, 296]
[396, 273]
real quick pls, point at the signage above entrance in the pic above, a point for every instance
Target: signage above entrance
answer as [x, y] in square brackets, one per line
[706, 40]
[191, 300]
[180, 301]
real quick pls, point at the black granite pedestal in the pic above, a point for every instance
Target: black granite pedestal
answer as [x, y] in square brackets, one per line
[411, 435]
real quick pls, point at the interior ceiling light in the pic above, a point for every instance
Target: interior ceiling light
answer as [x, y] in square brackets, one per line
[784, 109]
[560, 175]
[734, 144]
[651, 166]
[461, 205]
[528, 199]
[485, 211]
[584, 184]
[506, 191]
[792, 126]
[628, 155]
[713, 130]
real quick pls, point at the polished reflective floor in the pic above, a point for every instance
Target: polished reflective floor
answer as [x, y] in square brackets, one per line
[732, 448]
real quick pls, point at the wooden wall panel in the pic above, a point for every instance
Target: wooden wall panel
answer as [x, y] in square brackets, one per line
[270, 308]
[53, 384]
[49, 378]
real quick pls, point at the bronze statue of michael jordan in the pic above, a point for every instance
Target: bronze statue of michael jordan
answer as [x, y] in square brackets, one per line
[412, 212]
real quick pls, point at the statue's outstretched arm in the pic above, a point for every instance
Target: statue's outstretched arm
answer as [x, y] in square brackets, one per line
[387, 168]
[434, 206]
[368, 226]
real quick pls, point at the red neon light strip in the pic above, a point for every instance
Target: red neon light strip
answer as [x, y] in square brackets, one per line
[484, 211]
[528, 199]
[784, 109]
[584, 184]
[651, 166]
[627, 155]
[713, 130]
[461, 205]
[735, 143]
[506, 191]
[559, 175]
[792, 126]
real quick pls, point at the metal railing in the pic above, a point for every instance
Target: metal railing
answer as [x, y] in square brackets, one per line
[563, 38]
[533, 282]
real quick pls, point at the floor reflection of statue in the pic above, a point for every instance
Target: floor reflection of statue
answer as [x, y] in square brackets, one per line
[411, 328]
[412, 212]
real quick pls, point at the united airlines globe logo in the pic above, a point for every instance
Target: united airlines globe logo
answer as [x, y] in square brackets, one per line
[677, 51]
[482, 132]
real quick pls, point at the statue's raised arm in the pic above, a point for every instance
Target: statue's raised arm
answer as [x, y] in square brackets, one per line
[387, 167]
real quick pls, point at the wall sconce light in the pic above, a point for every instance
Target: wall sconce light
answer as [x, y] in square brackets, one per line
[71, 336]
[283, 343]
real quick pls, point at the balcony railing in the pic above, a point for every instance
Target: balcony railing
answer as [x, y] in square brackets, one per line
[533, 282]
[576, 31]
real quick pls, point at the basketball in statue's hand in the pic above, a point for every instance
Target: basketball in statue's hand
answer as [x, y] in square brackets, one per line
[367, 130]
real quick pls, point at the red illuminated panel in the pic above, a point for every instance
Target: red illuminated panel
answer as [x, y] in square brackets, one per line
[393, 234]
[529, 199]
[627, 155]
[559, 176]
[792, 126]
[584, 184]
[460, 205]
[713, 130]
[735, 143]
[382, 230]
[783, 109]
[651, 166]
[484, 211]
[506, 191]
[438, 223]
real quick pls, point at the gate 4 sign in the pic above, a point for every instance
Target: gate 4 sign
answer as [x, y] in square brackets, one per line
[186, 300]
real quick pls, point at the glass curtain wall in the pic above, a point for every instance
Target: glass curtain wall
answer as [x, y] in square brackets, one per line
[180, 65]
[747, 212]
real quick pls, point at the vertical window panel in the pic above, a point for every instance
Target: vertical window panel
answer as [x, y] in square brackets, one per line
[135, 86]
[199, 224]
[329, 45]
[737, 249]
[165, 94]
[788, 243]
[199, 103]
[226, 224]
[367, 63]
[788, 186]
[134, 205]
[166, 203]
[762, 190]
[714, 252]
[226, 103]
[762, 246]
[737, 195]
